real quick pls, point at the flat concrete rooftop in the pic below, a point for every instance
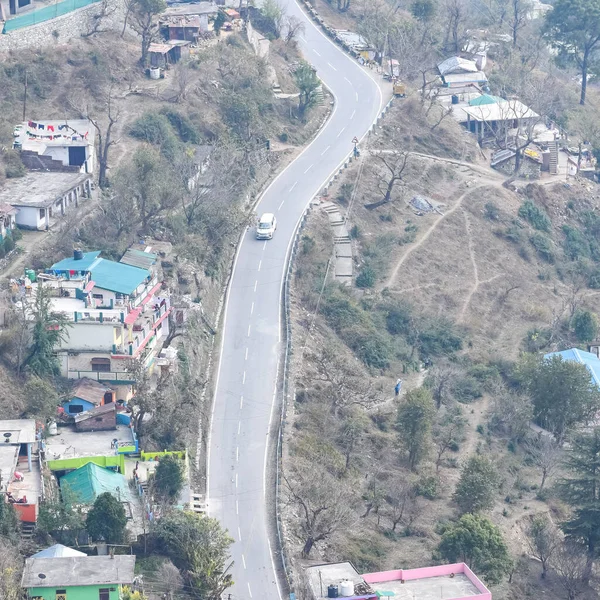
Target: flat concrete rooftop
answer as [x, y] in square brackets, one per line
[38, 189]
[72, 444]
[443, 587]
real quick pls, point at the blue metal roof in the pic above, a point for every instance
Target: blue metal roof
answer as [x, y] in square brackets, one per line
[70, 264]
[118, 277]
[591, 361]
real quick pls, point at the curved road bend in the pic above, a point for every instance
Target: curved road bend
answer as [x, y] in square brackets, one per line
[245, 400]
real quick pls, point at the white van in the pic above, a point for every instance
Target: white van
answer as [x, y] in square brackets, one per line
[266, 227]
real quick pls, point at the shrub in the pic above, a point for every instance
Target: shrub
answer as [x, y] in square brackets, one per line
[585, 325]
[345, 193]
[13, 165]
[535, 216]
[367, 278]
[156, 129]
[466, 389]
[355, 232]
[182, 125]
[575, 245]
[543, 246]
[397, 319]
[283, 137]
[491, 211]
[427, 487]
[438, 336]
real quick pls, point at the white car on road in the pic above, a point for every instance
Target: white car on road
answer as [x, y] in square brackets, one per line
[266, 227]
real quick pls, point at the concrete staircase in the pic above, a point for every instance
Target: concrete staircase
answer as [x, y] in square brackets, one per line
[342, 244]
[27, 530]
[319, 96]
[198, 503]
[553, 147]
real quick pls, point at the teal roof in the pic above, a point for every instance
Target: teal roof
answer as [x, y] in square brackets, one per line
[118, 277]
[486, 99]
[70, 264]
[590, 360]
[89, 481]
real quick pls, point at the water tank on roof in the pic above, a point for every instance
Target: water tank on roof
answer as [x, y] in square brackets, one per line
[346, 588]
[77, 254]
[332, 591]
[454, 99]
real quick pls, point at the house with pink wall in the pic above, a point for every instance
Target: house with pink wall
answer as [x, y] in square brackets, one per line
[441, 582]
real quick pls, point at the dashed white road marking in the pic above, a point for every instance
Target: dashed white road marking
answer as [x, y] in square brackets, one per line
[243, 561]
[255, 284]
[236, 480]
[352, 115]
[303, 39]
[239, 427]
[357, 96]
[237, 454]
[342, 131]
[259, 264]
[309, 168]
[249, 326]
[249, 590]
[295, 183]
[279, 207]
[316, 52]
[239, 533]
[325, 150]
[241, 402]
[237, 508]
[332, 66]
[246, 355]
[252, 308]
[244, 378]
[348, 80]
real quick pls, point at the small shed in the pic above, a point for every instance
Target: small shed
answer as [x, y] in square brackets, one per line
[87, 395]
[505, 161]
[102, 418]
[169, 53]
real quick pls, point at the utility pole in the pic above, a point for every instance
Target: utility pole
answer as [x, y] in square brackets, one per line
[25, 97]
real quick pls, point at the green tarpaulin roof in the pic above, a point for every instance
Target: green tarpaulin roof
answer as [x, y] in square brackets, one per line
[89, 481]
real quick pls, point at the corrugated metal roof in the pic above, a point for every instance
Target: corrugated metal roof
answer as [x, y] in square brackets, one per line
[476, 77]
[486, 99]
[89, 481]
[591, 361]
[89, 390]
[456, 64]
[57, 551]
[138, 258]
[505, 111]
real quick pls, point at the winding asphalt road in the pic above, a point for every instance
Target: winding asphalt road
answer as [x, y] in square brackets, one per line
[245, 411]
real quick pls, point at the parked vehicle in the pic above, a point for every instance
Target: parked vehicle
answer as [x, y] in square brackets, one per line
[266, 227]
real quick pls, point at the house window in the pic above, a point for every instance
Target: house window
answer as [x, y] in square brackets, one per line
[61, 594]
[98, 420]
[75, 409]
[101, 365]
[42, 213]
[98, 296]
[103, 594]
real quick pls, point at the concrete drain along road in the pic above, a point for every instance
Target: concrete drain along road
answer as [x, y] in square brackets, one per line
[246, 406]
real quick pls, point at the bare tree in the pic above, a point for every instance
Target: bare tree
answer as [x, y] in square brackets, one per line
[510, 412]
[105, 9]
[394, 163]
[543, 539]
[351, 431]
[345, 386]
[447, 434]
[403, 503]
[570, 564]
[456, 15]
[172, 580]
[374, 497]
[519, 16]
[143, 15]
[440, 379]
[293, 28]
[183, 79]
[324, 504]
[104, 134]
[545, 453]
[128, 6]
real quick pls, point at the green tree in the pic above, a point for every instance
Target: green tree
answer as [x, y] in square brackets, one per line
[144, 14]
[219, 22]
[476, 541]
[107, 519]
[423, 10]
[169, 477]
[562, 391]
[307, 82]
[199, 547]
[48, 332]
[543, 540]
[9, 523]
[477, 485]
[573, 28]
[61, 518]
[240, 112]
[42, 398]
[581, 490]
[415, 417]
[585, 325]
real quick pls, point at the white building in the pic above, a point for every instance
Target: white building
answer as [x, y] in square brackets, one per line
[59, 145]
[42, 198]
